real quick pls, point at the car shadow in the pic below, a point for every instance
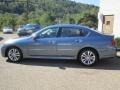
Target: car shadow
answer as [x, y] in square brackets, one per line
[106, 64]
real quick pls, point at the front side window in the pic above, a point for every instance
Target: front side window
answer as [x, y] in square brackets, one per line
[49, 33]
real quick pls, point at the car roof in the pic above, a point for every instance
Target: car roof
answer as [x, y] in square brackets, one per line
[74, 26]
[32, 24]
[68, 25]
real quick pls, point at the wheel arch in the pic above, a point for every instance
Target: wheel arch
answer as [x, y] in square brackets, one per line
[13, 46]
[91, 48]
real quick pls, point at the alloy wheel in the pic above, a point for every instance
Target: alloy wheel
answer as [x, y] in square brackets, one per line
[14, 54]
[88, 57]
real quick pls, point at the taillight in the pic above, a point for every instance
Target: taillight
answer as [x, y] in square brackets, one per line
[113, 42]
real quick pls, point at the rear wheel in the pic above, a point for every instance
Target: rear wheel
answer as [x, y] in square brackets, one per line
[88, 57]
[14, 54]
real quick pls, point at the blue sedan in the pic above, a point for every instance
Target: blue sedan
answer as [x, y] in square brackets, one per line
[64, 41]
[28, 29]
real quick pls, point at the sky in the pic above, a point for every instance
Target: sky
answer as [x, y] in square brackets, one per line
[94, 2]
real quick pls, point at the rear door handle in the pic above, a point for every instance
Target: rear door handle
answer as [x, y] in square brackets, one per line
[78, 41]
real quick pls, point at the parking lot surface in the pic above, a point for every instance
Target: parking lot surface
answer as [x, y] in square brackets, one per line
[39, 74]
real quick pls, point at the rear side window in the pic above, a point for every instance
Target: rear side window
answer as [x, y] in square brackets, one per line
[72, 32]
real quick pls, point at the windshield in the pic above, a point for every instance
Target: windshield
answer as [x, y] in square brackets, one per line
[38, 32]
[7, 28]
[29, 26]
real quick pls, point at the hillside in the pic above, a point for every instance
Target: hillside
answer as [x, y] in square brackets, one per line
[57, 7]
[44, 11]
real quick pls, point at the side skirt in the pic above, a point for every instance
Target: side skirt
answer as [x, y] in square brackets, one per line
[51, 57]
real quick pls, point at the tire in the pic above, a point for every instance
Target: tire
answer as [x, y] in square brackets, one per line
[88, 57]
[14, 54]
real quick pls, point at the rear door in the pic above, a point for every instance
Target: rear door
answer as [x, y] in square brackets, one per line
[68, 42]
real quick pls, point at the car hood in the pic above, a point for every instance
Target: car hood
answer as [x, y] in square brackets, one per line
[7, 29]
[18, 40]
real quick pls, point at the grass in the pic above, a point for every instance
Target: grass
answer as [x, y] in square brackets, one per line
[118, 41]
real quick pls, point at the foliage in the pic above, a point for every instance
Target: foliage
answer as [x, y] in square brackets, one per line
[22, 19]
[118, 41]
[89, 20]
[45, 12]
[71, 21]
[7, 20]
[46, 19]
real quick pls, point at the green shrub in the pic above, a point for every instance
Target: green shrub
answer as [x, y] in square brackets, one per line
[118, 41]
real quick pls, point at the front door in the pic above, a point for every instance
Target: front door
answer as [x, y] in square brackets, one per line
[108, 22]
[45, 43]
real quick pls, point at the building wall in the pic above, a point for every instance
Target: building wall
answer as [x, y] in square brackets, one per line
[110, 7]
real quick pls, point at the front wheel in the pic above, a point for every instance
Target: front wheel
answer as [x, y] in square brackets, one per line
[88, 57]
[14, 54]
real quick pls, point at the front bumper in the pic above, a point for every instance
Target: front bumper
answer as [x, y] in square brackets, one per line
[3, 50]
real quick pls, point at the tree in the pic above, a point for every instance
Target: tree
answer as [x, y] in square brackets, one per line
[1, 22]
[46, 12]
[7, 20]
[46, 19]
[89, 20]
[22, 19]
[71, 21]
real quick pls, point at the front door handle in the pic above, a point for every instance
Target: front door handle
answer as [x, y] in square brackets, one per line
[52, 42]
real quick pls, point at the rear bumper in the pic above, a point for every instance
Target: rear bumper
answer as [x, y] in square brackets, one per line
[23, 33]
[8, 32]
[108, 53]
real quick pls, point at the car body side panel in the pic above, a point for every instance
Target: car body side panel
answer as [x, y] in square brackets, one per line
[42, 47]
[66, 47]
[101, 44]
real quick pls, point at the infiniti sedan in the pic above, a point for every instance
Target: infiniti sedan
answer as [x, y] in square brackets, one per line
[64, 41]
